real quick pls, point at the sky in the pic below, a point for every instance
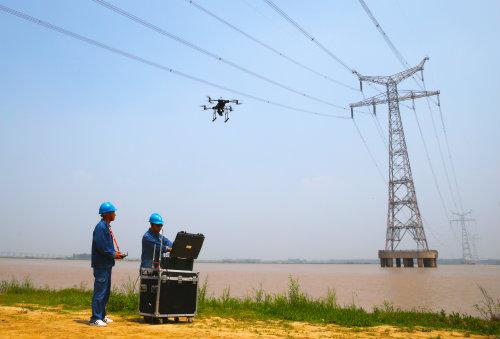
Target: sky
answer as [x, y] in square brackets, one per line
[80, 125]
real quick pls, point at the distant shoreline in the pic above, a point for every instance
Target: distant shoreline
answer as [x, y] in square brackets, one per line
[260, 261]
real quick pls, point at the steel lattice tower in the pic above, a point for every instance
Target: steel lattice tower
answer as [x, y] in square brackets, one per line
[403, 214]
[469, 252]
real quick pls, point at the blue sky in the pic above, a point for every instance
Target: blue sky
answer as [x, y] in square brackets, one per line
[80, 125]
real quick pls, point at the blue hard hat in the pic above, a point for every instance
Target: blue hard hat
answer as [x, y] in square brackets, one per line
[106, 207]
[156, 219]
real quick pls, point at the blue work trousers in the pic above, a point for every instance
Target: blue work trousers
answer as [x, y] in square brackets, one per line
[102, 288]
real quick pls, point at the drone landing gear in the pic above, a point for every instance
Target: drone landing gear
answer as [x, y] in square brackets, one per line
[226, 116]
[215, 117]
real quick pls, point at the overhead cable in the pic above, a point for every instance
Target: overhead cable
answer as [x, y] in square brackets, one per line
[443, 205]
[307, 34]
[396, 52]
[372, 157]
[452, 165]
[422, 86]
[441, 154]
[341, 62]
[388, 41]
[128, 55]
[210, 54]
[377, 126]
[379, 130]
[268, 47]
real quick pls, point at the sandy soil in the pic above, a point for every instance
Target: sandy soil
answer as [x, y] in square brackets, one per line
[27, 321]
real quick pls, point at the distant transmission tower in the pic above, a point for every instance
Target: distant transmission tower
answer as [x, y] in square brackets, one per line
[469, 250]
[403, 214]
[475, 253]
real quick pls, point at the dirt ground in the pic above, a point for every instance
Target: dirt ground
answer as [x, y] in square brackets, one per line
[29, 322]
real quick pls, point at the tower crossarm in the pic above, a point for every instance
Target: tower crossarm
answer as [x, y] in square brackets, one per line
[375, 100]
[395, 78]
[462, 214]
[462, 217]
[398, 77]
[460, 220]
[381, 80]
[383, 99]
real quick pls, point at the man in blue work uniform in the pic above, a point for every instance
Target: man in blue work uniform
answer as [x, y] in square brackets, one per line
[103, 259]
[152, 241]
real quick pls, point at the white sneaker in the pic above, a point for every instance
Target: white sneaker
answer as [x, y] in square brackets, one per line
[107, 320]
[98, 322]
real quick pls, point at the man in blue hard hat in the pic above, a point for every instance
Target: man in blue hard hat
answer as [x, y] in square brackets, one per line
[152, 241]
[103, 260]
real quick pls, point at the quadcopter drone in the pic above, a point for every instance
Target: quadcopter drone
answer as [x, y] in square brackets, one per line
[221, 108]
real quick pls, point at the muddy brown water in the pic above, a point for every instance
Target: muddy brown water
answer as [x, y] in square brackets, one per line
[453, 288]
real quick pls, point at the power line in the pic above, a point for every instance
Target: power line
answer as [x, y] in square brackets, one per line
[388, 41]
[307, 34]
[404, 63]
[434, 233]
[430, 164]
[210, 54]
[256, 10]
[332, 55]
[336, 58]
[369, 151]
[251, 4]
[377, 125]
[393, 48]
[379, 130]
[450, 157]
[441, 155]
[95, 43]
[268, 47]
[398, 54]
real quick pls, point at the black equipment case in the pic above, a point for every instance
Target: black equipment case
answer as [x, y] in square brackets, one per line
[177, 294]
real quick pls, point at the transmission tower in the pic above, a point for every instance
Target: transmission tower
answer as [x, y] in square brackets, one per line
[475, 254]
[403, 214]
[469, 251]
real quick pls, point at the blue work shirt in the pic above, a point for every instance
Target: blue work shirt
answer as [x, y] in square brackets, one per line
[149, 240]
[103, 251]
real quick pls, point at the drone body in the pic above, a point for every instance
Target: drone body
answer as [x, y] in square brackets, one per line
[221, 108]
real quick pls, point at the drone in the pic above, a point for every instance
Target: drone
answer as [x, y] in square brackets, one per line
[221, 108]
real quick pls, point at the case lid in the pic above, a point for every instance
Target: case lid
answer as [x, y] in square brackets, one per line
[187, 245]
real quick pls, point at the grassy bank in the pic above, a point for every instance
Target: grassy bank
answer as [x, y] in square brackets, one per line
[293, 305]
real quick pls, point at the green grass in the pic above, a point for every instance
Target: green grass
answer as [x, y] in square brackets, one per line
[294, 305]
[24, 292]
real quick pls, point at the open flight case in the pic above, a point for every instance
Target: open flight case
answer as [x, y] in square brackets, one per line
[171, 290]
